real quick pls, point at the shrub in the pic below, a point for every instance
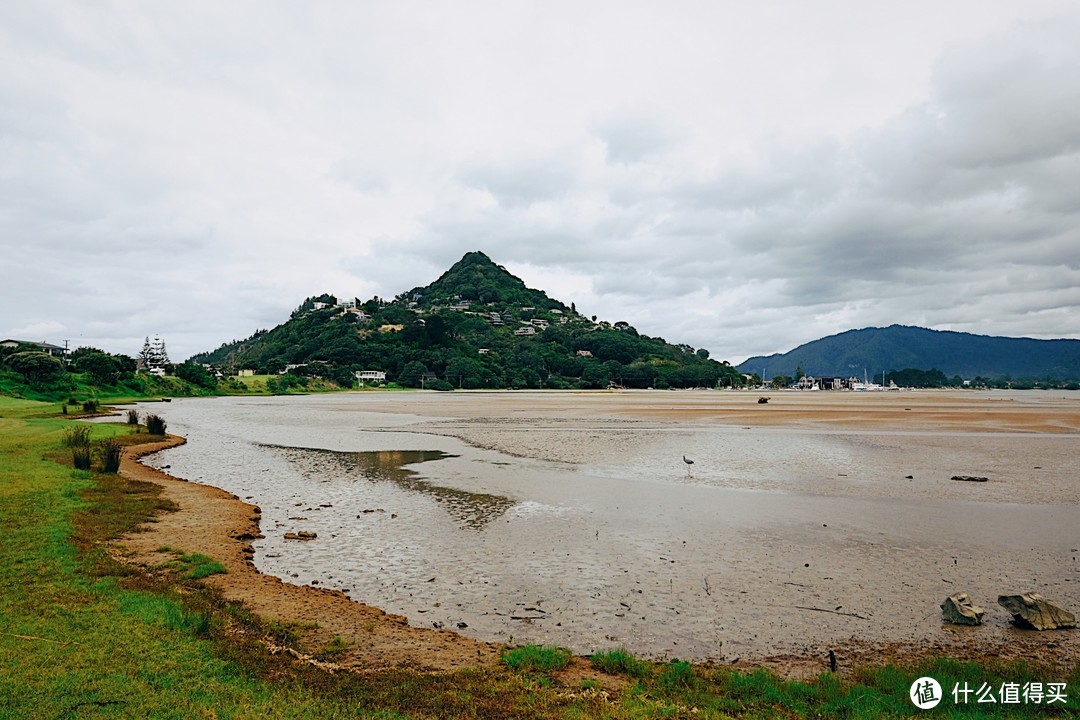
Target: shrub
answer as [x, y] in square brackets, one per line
[77, 436]
[91, 406]
[155, 424]
[620, 661]
[537, 657]
[73, 400]
[438, 385]
[111, 449]
[80, 457]
[133, 417]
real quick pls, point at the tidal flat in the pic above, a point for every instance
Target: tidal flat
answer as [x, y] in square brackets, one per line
[814, 521]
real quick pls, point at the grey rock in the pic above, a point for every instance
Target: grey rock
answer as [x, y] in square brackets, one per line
[959, 610]
[1032, 610]
[969, 478]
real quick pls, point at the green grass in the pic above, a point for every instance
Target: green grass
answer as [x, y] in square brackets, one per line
[537, 657]
[198, 566]
[83, 636]
[620, 662]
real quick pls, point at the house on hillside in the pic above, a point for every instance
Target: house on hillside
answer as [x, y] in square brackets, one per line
[54, 350]
[370, 376]
[584, 353]
[525, 330]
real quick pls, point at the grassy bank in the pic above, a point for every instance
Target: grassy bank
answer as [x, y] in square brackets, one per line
[82, 635]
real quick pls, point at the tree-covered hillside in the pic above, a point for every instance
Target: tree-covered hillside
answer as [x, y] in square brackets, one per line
[476, 326]
[952, 353]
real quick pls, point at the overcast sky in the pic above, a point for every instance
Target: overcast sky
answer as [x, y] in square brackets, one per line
[743, 177]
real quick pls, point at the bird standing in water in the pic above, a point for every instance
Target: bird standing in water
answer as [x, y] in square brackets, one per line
[688, 464]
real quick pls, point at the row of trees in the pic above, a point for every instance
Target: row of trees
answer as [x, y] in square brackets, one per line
[42, 371]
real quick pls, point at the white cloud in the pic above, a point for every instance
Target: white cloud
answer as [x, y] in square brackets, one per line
[740, 178]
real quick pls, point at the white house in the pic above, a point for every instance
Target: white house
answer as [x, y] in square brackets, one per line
[370, 376]
[525, 330]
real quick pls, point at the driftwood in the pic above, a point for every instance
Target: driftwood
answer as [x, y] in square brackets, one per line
[834, 612]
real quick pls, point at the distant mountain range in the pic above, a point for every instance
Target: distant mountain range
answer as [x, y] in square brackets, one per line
[476, 326]
[898, 347]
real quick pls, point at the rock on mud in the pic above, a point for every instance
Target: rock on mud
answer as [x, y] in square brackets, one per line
[969, 478]
[959, 610]
[1034, 611]
[302, 535]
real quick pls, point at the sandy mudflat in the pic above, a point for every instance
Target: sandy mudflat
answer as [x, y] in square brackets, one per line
[816, 521]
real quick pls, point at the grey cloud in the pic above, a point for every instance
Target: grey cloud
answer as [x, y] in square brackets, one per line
[632, 139]
[520, 184]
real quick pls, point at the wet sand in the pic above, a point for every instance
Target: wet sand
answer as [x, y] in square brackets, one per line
[569, 517]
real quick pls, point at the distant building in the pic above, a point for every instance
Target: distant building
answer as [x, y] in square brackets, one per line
[54, 350]
[246, 372]
[584, 353]
[525, 330]
[290, 367]
[364, 376]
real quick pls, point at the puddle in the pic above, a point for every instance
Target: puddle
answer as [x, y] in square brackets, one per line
[471, 510]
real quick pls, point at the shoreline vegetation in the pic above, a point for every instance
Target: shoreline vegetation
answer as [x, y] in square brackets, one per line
[103, 614]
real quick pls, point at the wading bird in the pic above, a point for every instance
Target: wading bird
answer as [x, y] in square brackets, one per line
[688, 464]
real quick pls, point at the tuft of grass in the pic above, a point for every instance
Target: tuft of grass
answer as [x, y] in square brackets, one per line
[155, 424]
[91, 406]
[537, 657]
[132, 417]
[111, 451]
[334, 650]
[677, 674]
[200, 566]
[620, 662]
[77, 435]
[80, 457]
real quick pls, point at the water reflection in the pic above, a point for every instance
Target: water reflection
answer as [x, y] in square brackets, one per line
[471, 510]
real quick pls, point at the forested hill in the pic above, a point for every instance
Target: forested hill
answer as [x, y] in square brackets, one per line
[476, 326]
[899, 347]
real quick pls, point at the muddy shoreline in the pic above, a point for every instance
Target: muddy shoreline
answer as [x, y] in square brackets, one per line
[216, 523]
